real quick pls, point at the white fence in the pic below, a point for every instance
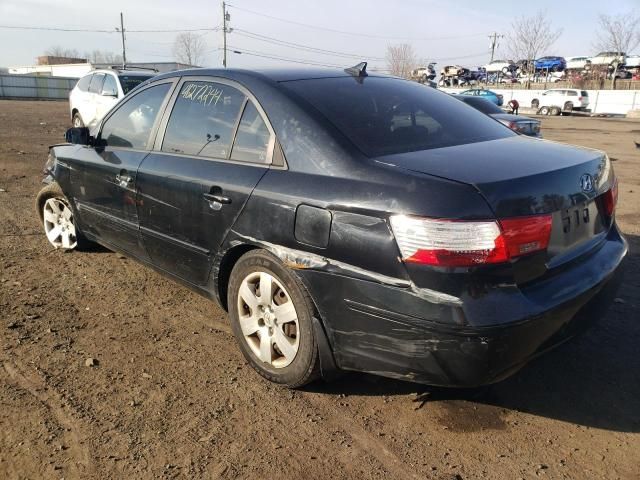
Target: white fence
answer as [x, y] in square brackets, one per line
[28, 86]
[600, 101]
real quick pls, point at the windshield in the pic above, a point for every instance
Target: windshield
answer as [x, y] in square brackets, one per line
[129, 82]
[383, 116]
[480, 104]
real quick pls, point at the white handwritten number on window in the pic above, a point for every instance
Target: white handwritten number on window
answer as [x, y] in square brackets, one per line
[202, 93]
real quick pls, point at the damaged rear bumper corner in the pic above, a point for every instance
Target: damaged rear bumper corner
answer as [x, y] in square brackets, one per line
[369, 334]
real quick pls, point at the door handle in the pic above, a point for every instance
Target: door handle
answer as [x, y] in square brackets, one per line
[123, 179]
[216, 201]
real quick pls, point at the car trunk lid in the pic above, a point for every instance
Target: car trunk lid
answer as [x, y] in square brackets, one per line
[521, 176]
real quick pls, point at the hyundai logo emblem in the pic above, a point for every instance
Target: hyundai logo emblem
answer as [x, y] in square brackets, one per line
[586, 183]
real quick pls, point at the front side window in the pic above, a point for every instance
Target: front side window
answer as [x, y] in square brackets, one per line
[203, 120]
[131, 124]
[252, 140]
[96, 83]
[383, 116]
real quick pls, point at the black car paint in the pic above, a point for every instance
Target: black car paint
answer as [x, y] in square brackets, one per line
[453, 326]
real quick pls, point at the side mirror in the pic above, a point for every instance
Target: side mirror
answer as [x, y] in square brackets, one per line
[109, 93]
[78, 136]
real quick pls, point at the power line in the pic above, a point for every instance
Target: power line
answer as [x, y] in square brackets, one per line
[56, 29]
[317, 27]
[88, 30]
[284, 43]
[283, 59]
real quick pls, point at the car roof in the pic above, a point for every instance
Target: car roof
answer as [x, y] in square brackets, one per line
[131, 73]
[273, 74]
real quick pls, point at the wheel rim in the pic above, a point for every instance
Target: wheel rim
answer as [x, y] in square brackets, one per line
[58, 224]
[268, 319]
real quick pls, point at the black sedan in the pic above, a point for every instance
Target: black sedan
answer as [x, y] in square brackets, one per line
[346, 221]
[517, 123]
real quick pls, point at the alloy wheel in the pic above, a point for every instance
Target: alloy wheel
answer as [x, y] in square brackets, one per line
[268, 319]
[58, 224]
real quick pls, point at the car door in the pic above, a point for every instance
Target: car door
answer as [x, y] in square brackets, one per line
[103, 181]
[95, 89]
[212, 149]
[108, 96]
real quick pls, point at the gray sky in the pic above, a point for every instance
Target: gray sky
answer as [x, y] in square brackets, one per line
[450, 32]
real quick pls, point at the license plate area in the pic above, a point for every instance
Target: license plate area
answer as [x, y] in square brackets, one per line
[574, 226]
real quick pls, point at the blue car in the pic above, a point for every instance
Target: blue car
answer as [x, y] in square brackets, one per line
[553, 64]
[486, 94]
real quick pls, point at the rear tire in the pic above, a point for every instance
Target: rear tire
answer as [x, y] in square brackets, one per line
[274, 328]
[76, 121]
[568, 107]
[535, 103]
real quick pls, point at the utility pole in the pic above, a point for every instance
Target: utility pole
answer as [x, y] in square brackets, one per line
[225, 17]
[124, 50]
[493, 43]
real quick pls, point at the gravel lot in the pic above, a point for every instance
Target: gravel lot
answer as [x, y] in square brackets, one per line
[172, 397]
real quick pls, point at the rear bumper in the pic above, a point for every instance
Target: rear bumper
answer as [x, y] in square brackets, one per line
[398, 333]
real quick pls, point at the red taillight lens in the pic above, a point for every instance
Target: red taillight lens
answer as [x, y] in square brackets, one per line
[610, 198]
[451, 243]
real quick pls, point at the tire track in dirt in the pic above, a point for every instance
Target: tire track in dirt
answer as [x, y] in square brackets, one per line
[51, 400]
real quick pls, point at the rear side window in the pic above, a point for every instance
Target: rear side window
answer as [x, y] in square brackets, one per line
[83, 83]
[572, 93]
[131, 124]
[110, 87]
[96, 83]
[203, 120]
[384, 116]
[252, 140]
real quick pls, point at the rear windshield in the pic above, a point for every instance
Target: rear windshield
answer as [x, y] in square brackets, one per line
[130, 82]
[584, 93]
[383, 116]
[481, 104]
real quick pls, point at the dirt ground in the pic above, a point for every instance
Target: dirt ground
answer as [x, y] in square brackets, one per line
[172, 397]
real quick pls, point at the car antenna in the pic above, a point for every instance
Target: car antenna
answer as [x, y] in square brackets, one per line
[359, 71]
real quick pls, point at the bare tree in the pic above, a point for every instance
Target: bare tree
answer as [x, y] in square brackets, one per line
[58, 51]
[188, 48]
[401, 59]
[531, 37]
[104, 56]
[618, 33]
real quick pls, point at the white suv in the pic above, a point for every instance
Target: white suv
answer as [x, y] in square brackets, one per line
[504, 66]
[558, 100]
[98, 91]
[608, 58]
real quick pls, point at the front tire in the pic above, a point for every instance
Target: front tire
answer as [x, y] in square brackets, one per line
[58, 220]
[271, 318]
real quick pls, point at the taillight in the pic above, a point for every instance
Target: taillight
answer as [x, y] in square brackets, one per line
[453, 243]
[610, 198]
